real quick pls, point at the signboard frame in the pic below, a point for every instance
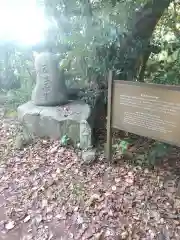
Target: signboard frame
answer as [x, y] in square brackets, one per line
[111, 85]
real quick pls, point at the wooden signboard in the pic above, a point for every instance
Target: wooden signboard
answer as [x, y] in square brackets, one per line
[149, 110]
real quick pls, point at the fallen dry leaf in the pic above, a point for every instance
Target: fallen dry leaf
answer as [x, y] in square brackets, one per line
[38, 218]
[47, 187]
[27, 219]
[44, 203]
[99, 235]
[117, 180]
[94, 198]
[76, 208]
[10, 225]
[114, 188]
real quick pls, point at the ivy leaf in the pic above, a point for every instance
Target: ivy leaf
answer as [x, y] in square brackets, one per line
[65, 140]
[124, 145]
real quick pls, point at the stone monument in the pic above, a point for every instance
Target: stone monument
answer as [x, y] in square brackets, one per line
[50, 113]
[50, 89]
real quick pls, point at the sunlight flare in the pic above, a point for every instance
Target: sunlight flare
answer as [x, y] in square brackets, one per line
[24, 23]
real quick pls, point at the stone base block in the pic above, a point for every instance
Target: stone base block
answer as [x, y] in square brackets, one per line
[54, 122]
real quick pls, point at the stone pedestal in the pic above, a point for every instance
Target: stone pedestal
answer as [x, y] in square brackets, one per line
[54, 122]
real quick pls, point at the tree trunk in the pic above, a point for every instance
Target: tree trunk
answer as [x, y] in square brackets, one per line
[137, 40]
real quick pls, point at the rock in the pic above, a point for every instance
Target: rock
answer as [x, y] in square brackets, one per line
[89, 156]
[55, 122]
[50, 89]
[22, 139]
[19, 141]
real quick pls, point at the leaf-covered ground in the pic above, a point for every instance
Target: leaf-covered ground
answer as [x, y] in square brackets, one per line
[46, 193]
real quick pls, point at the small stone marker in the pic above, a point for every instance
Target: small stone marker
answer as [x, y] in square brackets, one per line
[85, 134]
[149, 110]
[89, 156]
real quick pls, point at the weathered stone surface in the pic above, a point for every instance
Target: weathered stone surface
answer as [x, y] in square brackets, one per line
[55, 122]
[85, 134]
[89, 156]
[20, 142]
[50, 89]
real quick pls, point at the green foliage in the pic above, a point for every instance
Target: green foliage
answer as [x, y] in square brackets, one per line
[17, 74]
[91, 31]
[122, 145]
[88, 36]
[65, 140]
[164, 67]
[149, 158]
[156, 153]
[153, 156]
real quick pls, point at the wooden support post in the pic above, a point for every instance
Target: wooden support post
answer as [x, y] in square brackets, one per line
[109, 118]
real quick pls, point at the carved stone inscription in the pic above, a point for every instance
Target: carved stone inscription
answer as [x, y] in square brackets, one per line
[50, 88]
[148, 110]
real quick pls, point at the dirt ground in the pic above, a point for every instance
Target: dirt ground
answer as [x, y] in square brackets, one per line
[47, 193]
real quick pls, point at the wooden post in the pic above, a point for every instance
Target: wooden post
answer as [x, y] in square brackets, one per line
[109, 117]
